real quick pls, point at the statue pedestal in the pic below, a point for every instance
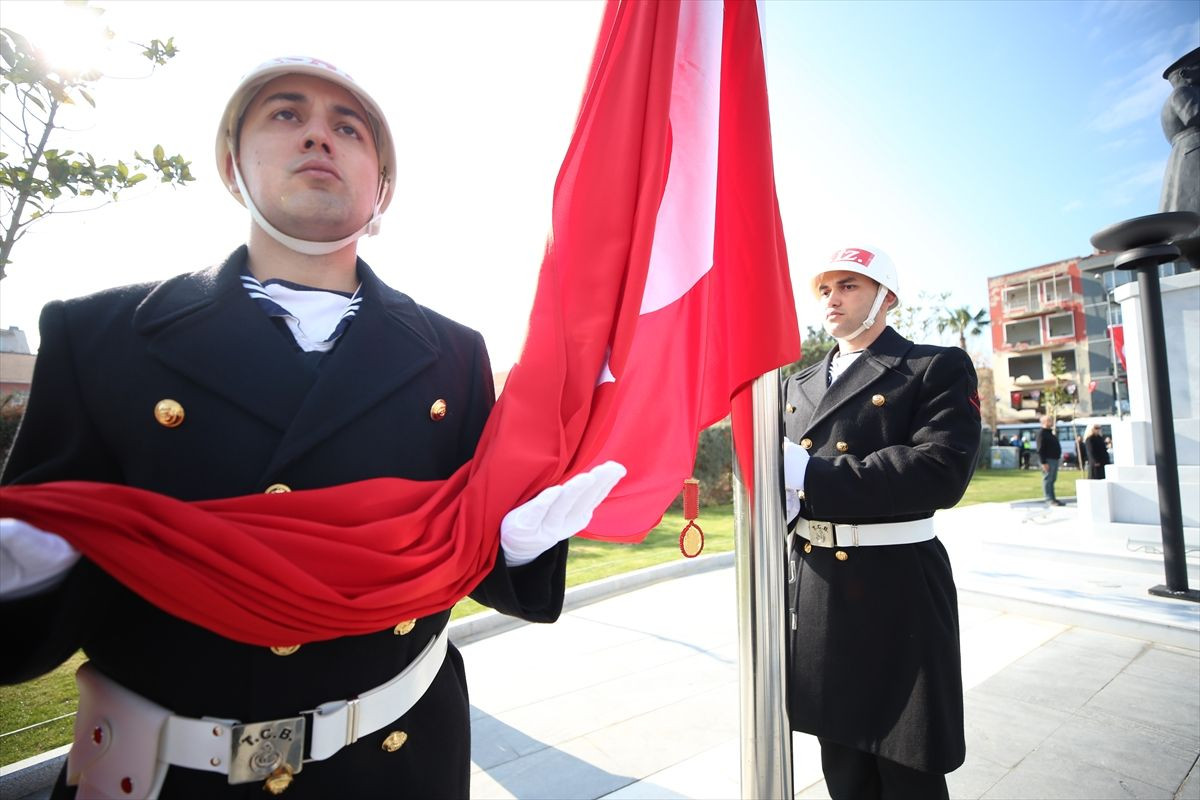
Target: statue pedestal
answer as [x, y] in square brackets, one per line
[1124, 506]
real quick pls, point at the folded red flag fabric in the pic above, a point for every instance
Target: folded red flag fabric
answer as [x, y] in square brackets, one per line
[663, 292]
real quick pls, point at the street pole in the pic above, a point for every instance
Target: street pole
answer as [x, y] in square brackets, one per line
[1145, 243]
[759, 534]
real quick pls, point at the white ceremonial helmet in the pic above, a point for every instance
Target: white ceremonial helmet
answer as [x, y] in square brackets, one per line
[869, 261]
[227, 144]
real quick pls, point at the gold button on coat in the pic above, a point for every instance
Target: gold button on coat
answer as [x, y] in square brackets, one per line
[878, 400]
[437, 411]
[405, 627]
[806, 443]
[808, 547]
[285, 649]
[277, 488]
[842, 447]
[841, 555]
[168, 413]
[791, 409]
[394, 741]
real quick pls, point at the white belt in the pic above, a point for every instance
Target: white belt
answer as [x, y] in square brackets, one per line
[124, 742]
[206, 743]
[829, 534]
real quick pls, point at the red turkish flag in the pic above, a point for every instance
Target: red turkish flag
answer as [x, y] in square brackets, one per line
[1117, 333]
[664, 291]
[714, 308]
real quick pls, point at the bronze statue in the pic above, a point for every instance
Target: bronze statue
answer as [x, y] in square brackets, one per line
[1181, 126]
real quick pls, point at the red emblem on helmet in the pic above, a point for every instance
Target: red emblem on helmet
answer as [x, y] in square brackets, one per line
[863, 257]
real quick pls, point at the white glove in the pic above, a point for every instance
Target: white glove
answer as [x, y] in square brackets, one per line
[795, 464]
[556, 513]
[31, 560]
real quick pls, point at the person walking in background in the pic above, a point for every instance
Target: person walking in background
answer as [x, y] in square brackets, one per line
[1026, 445]
[1049, 451]
[1096, 451]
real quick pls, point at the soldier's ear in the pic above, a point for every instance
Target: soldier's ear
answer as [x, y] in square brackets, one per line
[229, 179]
[891, 300]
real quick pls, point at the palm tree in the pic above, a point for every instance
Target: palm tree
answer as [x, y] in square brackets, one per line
[961, 321]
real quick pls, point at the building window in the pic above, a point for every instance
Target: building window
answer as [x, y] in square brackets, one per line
[1068, 357]
[1024, 332]
[1056, 290]
[1026, 366]
[1117, 277]
[1059, 326]
[1016, 298]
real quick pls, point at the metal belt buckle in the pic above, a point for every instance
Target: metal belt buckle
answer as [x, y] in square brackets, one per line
[260, 748]
[820, 533]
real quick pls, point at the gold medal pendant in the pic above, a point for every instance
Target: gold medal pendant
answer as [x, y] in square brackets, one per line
[691, 540]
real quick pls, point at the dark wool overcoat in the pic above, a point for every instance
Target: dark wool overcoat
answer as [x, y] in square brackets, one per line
[874, 654]
[257, 412]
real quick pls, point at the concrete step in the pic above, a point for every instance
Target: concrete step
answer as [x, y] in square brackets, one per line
[1141, 558]
[1033, 560]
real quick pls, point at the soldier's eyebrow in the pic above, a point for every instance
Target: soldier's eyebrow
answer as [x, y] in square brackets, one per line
[346, 111]
[288, 97]
[300, 97]
[838, 282]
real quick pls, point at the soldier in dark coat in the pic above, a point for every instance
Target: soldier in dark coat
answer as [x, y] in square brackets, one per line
[879, 435]
[291, 366]
[1097, 452]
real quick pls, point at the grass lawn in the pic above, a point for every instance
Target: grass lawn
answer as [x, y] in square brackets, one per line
[45, 698]
[53, 694]
[591, 561]
[1006, 485]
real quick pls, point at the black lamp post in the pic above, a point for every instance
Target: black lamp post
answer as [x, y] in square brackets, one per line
[1144, 243]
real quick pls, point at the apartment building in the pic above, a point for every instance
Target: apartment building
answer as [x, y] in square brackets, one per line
[1060, 310]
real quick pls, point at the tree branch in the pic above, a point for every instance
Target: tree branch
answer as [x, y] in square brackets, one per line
[14, 225]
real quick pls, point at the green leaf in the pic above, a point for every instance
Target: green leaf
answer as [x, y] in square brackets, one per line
[159, 154]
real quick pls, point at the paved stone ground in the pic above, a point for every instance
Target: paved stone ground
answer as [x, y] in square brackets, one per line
[636, 697]
[1078, 683]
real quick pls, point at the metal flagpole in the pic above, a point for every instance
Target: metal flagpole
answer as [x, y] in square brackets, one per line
[759, 532]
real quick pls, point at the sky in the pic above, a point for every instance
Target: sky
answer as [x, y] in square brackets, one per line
[966, 139]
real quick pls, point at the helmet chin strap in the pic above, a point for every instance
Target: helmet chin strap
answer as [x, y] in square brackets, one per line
[871, 315]
[304, 246]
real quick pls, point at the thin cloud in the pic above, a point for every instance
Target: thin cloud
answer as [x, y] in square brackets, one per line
[1134, 183]
[1144, 40]
[1138, 94]
[1074, 205]
[1119, 12]
[1141, 99]
[1129, 142]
